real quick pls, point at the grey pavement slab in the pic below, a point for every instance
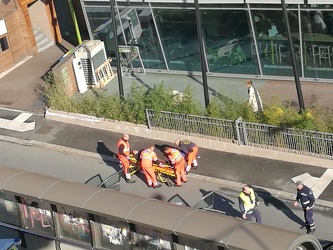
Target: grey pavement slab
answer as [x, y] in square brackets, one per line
[234, 88]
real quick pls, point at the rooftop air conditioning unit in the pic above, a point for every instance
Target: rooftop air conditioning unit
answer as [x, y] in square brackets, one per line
[92, 55]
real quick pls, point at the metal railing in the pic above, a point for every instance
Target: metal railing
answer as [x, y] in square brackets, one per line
[200, 126]
[311, 143]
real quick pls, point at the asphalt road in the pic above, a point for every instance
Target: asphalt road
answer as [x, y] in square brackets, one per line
[262, 172]
[276, 212]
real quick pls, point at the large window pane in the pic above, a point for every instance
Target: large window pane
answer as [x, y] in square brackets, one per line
[317, 36]
[179, 38]
[34, 217]
[151, 239]
[111, 234]
[272, 41]
[228, 42]
[143, 33]
[73, 225]
[9, 212]
[135, 27]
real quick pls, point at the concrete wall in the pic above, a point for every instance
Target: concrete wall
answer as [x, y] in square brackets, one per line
[64, 72]
[39, 18]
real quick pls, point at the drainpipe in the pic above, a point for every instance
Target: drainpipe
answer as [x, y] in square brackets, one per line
[77, 30]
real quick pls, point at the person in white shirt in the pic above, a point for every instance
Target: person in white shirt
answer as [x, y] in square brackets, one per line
[319, 24]
[254, 97]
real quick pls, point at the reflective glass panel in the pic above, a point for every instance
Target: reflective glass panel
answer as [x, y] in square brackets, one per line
[193, 244]
[144, 35]
[228, 42]
[36, 218]
[272, 41]
[178, 32]
[111, 234]
[9, 212]
[152, 239]
[317, 37]
[74, 225]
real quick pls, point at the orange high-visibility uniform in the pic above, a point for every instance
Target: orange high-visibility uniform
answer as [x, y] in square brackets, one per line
[123, 155]
[178, 161]
[192, 156]
[191, 150]
[147, 157]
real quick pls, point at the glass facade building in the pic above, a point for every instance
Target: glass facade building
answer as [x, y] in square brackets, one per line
[240, 37]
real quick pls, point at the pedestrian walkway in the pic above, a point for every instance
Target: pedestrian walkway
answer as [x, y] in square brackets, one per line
[234, 88]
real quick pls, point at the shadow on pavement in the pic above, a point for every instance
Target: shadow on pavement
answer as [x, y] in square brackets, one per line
[215, 202]
[268, 199]
[159, 197]
[109, 157]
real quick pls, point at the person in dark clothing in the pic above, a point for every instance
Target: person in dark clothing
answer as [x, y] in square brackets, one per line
[306, 198]
[190, 149]
[248, 204]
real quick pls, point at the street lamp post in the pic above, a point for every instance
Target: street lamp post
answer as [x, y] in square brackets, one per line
[115, 35]
[293, 60]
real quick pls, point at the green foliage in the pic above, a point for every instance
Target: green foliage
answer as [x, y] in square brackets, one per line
[237, 56]
[134, 105]
[186, 104]
[214, 109]
[55, 96]
[159, 98]
[163, 98]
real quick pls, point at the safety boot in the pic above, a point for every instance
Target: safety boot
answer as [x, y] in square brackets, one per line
[130, 181]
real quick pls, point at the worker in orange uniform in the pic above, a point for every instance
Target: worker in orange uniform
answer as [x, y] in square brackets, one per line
[178, 161]
[190, 150]
[124, 155]
[147, 157]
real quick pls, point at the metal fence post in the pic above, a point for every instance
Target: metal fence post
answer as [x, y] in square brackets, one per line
[239, 137]
[244, 133]
[147, 117]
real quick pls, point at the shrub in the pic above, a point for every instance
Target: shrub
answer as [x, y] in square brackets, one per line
[162, 98]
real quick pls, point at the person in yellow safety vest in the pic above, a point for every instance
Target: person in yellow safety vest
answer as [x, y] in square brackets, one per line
[248, 204]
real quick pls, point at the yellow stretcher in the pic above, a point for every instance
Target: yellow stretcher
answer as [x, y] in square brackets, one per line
[163, 173]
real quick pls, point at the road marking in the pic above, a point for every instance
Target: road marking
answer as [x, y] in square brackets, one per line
[317, 185]
[17, 124]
